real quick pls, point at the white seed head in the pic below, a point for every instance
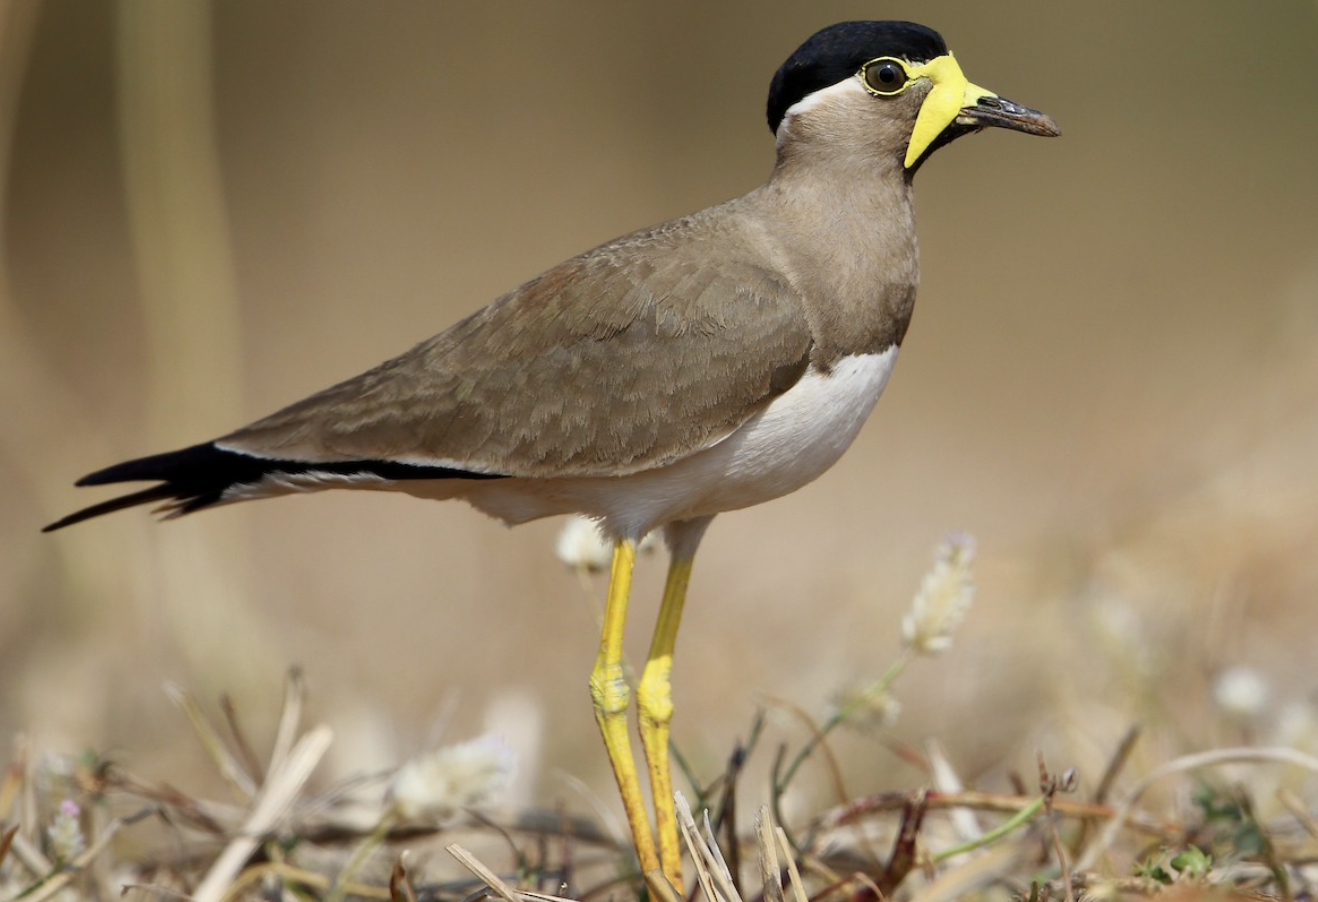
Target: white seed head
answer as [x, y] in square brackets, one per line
[582, 547]
[946, 593]
[1297, 727]
[437, 785]
[1241, 692]
[866, 708]
[65, 832]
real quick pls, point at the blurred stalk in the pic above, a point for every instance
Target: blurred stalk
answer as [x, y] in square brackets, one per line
[180, 236]
[29, 436]
[21, 366]
[177, 216]
[36, 449]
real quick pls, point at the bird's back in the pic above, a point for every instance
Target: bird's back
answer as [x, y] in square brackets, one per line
[624, 358]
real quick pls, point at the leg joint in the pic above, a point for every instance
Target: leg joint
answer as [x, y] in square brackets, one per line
[654, 692]
[609, 691]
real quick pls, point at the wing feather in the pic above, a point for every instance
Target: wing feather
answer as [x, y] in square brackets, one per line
[628, 357]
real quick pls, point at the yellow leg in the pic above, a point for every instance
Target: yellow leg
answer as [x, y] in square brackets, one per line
[609, 692]
[654, 702]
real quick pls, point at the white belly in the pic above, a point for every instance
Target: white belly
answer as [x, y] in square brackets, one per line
[799, 436]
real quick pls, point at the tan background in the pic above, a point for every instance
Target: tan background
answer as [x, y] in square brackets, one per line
[1110, 379]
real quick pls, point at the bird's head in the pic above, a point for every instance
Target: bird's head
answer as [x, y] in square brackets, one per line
[889, 87]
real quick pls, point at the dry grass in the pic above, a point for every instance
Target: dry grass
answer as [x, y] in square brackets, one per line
[281, 837]
[1229, 821]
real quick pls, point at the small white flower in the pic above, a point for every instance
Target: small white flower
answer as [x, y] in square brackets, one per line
[437, 785]
[1297, 727]
[1241, 692]
[65, 832]
[945, 595]
[582, 547]
[867, 708]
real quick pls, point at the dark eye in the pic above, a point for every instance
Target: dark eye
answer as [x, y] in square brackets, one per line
[885, 76]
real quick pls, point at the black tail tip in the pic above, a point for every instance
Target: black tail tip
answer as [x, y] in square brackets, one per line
[185, 477]
[163, 492]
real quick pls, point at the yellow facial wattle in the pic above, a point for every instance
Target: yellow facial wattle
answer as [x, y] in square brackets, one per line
[951, 92]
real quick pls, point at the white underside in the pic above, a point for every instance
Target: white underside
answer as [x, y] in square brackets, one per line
[793, 441]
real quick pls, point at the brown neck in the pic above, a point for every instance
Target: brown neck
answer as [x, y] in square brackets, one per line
[842, 222]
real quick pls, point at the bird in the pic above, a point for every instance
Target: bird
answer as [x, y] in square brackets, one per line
[708, 364]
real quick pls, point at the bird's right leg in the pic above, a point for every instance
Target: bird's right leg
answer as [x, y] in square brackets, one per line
[654, 692]
[654, 702]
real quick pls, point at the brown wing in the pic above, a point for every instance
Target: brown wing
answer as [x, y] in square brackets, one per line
[630, 356]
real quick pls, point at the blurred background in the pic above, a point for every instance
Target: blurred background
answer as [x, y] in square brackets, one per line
[212, 210]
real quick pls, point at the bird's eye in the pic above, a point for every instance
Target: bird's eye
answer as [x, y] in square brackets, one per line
[884, 76]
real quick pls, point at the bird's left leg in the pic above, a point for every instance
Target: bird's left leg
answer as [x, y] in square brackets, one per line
[654, 694]
[609, 693]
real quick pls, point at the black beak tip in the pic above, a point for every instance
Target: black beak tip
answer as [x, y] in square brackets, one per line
[1003, 113]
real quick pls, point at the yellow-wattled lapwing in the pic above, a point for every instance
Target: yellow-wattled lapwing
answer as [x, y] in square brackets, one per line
[703, 365]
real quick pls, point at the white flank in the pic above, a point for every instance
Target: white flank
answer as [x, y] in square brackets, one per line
[790, 443]
[409, 459]
[799, 436]
[795, 439]
[276, 484]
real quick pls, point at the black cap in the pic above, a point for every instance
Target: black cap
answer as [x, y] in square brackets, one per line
[838, 51]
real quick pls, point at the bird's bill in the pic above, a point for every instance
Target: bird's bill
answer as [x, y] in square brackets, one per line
[953, 99]
[991, 110]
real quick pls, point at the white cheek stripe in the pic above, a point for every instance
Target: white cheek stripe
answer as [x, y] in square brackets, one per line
[850, 85]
